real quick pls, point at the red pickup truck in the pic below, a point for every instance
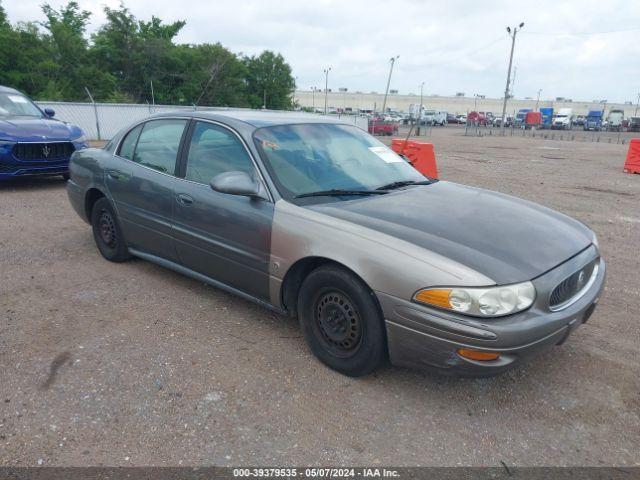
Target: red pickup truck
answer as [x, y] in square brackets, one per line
[382, 127]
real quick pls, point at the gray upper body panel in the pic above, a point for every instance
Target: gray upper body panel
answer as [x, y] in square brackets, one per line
[505, 238]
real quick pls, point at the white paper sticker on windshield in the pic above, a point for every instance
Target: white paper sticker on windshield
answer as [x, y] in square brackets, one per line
[387, 155]
[17, 99]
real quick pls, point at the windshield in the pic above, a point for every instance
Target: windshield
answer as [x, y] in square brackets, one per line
[14, 104]
[315, 157]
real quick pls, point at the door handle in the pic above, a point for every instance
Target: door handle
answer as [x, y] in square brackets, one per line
[184, 199]
[114, 174]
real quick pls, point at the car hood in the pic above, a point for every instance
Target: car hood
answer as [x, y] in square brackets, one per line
[507, 239]
[32, 129]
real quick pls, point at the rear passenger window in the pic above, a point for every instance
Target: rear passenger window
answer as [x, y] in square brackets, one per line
[158, 144]
[214, 150]
[129, 143]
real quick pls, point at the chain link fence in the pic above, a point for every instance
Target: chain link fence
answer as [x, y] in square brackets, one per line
[573, 135]
[101, 121]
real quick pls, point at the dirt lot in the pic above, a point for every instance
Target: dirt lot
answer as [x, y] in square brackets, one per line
[131, 364]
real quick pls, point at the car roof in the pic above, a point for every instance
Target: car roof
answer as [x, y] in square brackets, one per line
[257, 118]
[8, 90]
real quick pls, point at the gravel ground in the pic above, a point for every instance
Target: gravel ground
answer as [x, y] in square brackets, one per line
[132, 364]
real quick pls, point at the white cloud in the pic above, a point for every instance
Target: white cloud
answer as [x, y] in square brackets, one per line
[453, 46]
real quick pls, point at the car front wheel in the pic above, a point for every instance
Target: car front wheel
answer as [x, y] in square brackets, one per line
[341, 321]
[107, 232]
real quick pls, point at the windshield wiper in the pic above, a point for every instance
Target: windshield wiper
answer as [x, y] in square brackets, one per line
[402, 183]
[337, 192]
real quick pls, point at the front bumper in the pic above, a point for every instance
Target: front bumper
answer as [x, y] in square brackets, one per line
[11, 170]
[423, 337]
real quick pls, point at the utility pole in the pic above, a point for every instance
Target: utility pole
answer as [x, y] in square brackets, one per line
[420, 111]
[386, 92]
[153, 97]
[326, 87]
[538, 100]
[295, 85]
[95, 111]
[506, 89]
[637, 105]
[313, 99]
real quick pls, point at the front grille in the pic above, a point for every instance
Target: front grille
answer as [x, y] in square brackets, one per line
[43, 151]
[571, 286]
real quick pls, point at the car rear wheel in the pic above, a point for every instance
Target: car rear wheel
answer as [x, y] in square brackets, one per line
[341, 321]
[107, 233]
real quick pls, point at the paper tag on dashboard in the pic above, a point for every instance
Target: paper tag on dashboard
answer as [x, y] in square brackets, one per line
[387, 155]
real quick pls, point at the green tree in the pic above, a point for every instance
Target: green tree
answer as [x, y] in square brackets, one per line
[269, 81]
[136, 53]
[55, 60]
[208, 74]
[67, 47]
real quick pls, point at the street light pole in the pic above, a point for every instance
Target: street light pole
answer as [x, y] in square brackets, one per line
[538, 100]
[420, 110]
[637, 105]
[326, 87]
[313, 99]
[386, 92]
[506, 89]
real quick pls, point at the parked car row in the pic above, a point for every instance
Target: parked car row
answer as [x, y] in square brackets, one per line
[562, 119]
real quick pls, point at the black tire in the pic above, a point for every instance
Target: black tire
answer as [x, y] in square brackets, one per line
[66, 176]
[107, 232]
[341, 321]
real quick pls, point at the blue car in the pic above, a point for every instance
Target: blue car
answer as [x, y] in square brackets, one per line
[32, 142]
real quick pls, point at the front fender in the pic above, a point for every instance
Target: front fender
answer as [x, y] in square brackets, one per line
[386, 263]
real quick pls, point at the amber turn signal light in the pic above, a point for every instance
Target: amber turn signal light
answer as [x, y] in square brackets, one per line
[437, 296]
[478, 354]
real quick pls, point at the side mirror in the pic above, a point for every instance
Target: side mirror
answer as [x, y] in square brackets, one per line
[238, 183]
[49, 112]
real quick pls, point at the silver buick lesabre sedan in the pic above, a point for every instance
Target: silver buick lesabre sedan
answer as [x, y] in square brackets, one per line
[316, 219]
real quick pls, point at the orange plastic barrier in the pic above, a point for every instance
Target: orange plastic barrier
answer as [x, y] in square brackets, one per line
[632, 163]
[421, 155]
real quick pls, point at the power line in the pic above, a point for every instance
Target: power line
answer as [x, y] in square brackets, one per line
[466, 55]
[576, 34]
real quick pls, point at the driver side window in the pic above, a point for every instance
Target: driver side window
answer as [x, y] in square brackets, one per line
[158, 144]
[214, 150]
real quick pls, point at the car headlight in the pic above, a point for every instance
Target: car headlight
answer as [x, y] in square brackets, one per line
[480, 301]
[595, 241]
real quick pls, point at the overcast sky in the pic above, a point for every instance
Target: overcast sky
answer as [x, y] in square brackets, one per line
[453, 46]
